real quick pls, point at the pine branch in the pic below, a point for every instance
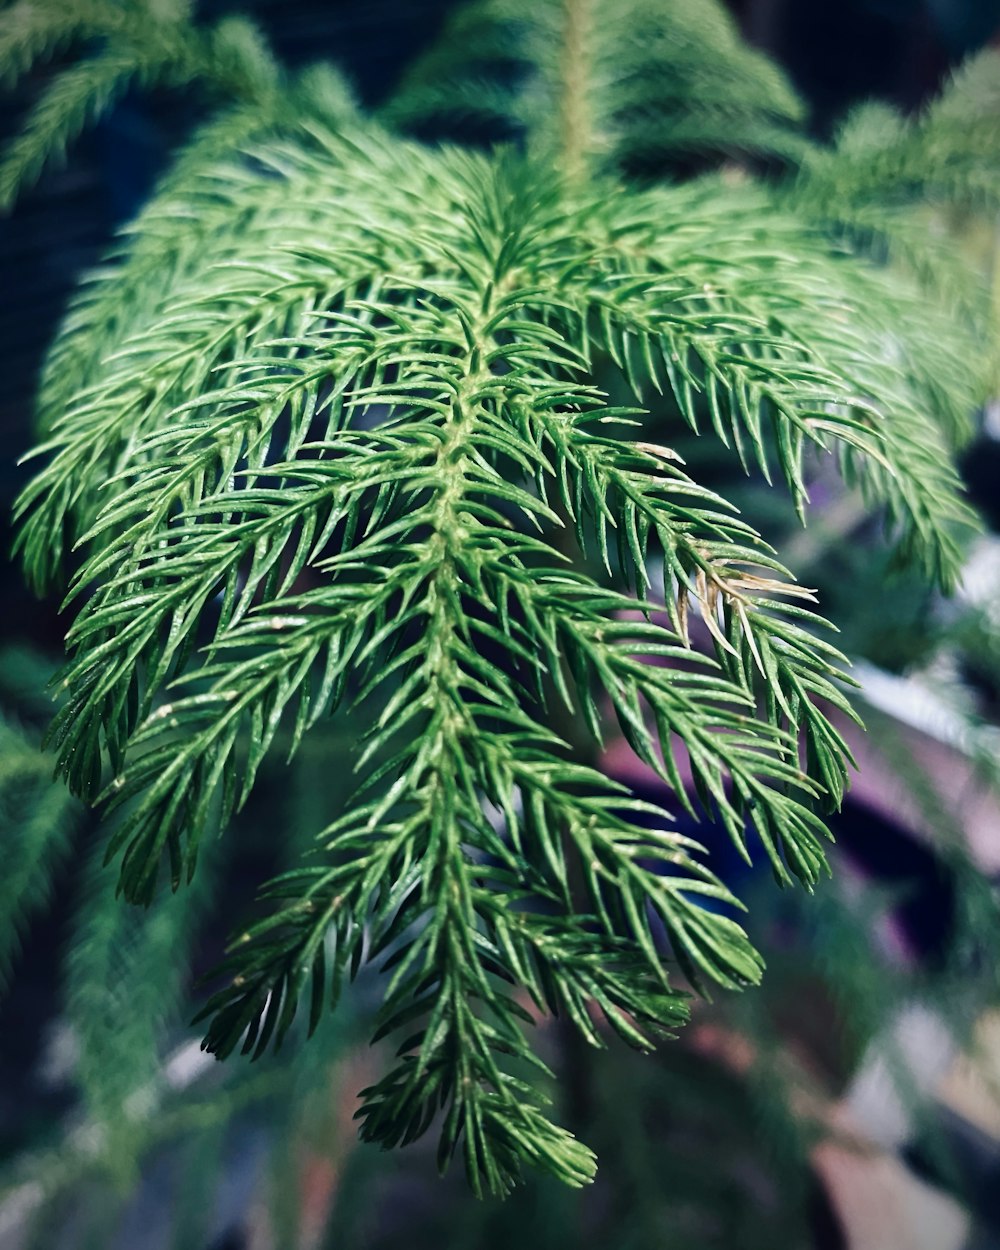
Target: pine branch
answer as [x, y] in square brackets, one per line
[138, 42]
[326, 437]
[886, 172]
[38, 817]
[32, 32]
[948, 153]
[603, 82]
[765, 350]
[80, 97]
[125, 982]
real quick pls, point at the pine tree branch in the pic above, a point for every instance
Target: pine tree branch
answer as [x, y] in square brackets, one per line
[327, 435]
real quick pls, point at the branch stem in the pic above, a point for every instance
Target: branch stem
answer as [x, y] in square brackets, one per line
[576, 120]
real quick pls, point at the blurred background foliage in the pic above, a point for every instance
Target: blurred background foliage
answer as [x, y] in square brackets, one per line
[116, 1131]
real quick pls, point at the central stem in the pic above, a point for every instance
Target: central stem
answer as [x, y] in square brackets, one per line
[576, 122]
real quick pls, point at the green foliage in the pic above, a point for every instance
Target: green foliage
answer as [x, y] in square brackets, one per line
[146, 43]
[327, 435]
[125, 975]
[142, 1090]
[946, 155]
[890, 184]
[617, 83]
[36, 818]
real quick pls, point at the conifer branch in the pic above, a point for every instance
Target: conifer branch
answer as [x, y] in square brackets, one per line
[38, 818]
[142, 42]
[330, 434]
